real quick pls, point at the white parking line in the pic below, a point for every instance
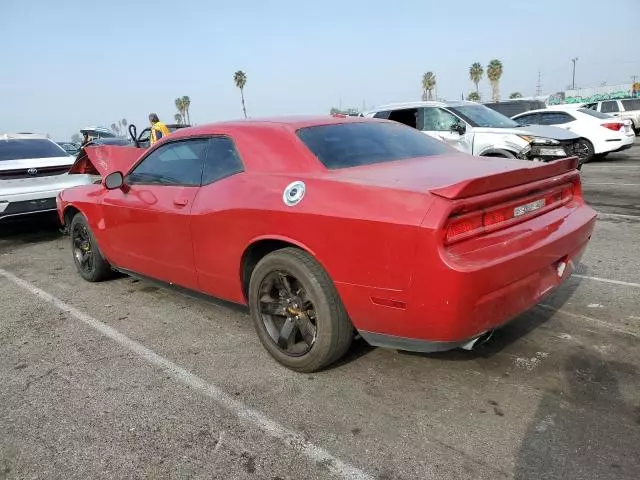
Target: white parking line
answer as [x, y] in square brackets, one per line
[602, 323]
[618, 215]
[589, 184]
[607, 280]
[242, 411]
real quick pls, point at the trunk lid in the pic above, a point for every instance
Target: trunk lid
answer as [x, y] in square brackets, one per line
[106, 159]
[454, 176]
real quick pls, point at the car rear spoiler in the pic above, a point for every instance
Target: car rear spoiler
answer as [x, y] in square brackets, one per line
[106, 158]
[533, 171]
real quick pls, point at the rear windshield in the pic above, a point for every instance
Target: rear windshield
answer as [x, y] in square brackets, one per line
[19, 149]
[594, 113]
[347, 145]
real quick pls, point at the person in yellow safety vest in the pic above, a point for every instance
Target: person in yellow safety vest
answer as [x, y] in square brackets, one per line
[158, 129]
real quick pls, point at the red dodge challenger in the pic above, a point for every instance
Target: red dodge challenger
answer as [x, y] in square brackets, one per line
[329, 226]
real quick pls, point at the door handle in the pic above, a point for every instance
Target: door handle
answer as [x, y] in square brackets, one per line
[180, 201]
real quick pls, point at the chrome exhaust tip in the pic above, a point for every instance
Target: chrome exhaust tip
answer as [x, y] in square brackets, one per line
[479, 340]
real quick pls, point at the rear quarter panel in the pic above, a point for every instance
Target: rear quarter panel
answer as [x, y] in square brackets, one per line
[361, 235]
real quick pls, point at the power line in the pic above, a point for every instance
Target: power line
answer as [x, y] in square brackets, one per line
[538, 86]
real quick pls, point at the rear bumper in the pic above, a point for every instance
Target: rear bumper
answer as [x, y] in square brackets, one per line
[450, 305]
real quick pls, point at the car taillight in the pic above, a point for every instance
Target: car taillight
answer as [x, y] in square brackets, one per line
[501, 216]
[616, 126]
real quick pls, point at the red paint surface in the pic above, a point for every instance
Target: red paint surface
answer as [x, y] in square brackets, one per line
[377, 230]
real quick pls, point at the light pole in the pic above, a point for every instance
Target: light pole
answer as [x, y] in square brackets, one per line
[573, 81]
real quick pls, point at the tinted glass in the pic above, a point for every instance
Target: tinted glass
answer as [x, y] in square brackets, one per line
[176, 163]
[407, 116]
[609, 106]
[631, 104]
[481, 116]
[594, 113]
[20, 149]
[555, 118]
[384, 114]
[437, 120]
[222, 161]
[352, 144]
[530, 119]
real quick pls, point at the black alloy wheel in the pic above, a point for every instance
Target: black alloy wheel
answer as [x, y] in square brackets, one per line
[297, 312]
[86, 255]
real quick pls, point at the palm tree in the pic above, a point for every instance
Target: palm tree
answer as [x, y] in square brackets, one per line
[114, 127]
[186, 102]
[475, 74]
[178, 118]
[494, 72]
[428, 84]
[240, 79]
[515, 95]
[473, 97]
[124, 124]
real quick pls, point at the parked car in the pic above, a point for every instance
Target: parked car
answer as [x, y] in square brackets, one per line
[326, 226]
[33, 169]
[628, 108]
[509, 108]
[473, 128]
[95, 133]
[599, 133]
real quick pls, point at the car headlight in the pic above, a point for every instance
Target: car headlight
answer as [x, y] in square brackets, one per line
[539, 140]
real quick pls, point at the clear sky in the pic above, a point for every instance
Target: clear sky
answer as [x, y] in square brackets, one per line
[65, 64]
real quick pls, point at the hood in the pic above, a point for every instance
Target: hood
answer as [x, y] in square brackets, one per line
[36, 163]
[453, 175]
[106, 159]
[546, 131]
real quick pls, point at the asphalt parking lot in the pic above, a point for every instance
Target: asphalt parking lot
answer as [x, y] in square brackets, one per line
[125, 380]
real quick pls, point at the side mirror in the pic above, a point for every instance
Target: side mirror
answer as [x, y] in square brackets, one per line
[113, 181]
[459, 128]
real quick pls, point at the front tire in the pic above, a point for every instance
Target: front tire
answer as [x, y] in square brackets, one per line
[297, 312]
[87, 257]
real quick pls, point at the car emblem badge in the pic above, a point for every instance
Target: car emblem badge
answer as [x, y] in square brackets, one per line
[32, 171]
[293, 193]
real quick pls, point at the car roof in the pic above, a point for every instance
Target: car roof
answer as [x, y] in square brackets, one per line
[22, 136]
[402, 105]
[291, 123]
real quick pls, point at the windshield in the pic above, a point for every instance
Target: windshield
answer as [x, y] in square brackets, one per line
[595, 113]
[20, 149]
[347, 145]
[481, 116]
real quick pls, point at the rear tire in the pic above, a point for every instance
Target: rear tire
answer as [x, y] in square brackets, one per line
[297, 312]
[87, 257]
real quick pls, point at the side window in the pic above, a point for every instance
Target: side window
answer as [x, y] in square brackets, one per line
[437, 120]
[631, 104]
[529, 119]
[222, 161]
[610, 106]
[383, 114]
[175, 163]
[555, 118]
[408, 116]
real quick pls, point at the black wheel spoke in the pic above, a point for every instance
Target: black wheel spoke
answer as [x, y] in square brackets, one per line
[288, 313]
[284, 285]
[307, 329]
[287, 334]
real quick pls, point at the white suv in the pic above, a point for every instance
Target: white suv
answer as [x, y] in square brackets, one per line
[33, 169]
[478, 130]
[627, 109]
